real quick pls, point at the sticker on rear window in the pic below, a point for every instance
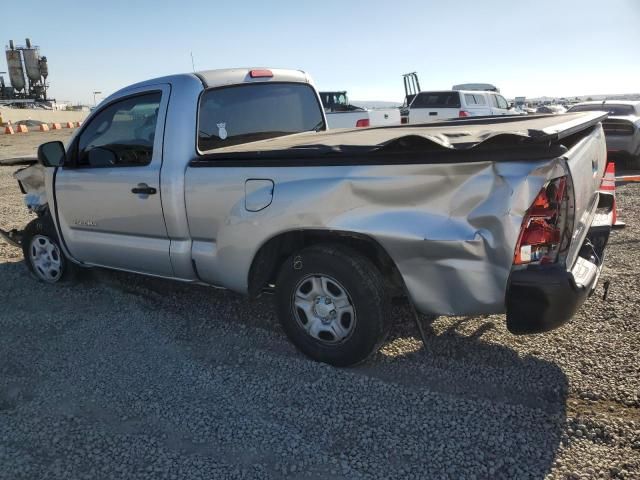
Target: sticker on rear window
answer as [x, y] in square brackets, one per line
[222, 130]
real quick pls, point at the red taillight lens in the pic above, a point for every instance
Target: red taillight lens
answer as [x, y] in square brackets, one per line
[463, 113]
[260, 73]
[540, 233]
[363, 122]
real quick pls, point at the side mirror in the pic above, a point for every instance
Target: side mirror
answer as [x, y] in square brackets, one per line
[52, 154]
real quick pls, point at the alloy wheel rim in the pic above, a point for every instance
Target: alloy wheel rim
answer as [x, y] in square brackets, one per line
[46, 258]
[323, 309]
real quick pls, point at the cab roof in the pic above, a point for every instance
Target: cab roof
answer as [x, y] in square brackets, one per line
[232, 76]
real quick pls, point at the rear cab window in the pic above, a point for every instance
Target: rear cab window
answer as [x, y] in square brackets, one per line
[436, 100]
[256, 111]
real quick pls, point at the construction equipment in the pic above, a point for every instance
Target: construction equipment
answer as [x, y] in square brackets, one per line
[28, 73]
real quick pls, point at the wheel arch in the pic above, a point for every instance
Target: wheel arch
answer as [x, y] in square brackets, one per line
[273, 252]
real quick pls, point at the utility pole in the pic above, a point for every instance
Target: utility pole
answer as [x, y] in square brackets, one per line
[94, 97]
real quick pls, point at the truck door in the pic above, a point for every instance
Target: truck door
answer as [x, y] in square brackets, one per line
[499, 104]
[108, 200]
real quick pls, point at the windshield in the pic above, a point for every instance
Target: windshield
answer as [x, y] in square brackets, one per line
[612, 109]
[250, 112]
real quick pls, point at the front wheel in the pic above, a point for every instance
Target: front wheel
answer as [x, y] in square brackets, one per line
[332, 304]
[43, 253]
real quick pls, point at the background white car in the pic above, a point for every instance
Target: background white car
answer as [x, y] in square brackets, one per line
[445, 104]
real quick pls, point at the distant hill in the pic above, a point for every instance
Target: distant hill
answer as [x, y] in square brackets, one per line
[374, 104]
[582, 98]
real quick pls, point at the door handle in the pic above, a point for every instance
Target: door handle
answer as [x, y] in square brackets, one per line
[143, 189]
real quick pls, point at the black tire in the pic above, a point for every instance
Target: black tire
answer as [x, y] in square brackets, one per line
[37, 233]
[364, 287]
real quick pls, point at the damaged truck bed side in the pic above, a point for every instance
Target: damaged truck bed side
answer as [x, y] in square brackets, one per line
[479, 216]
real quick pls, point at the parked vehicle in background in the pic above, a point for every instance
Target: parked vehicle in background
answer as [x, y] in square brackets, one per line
[551, 109]
[486, 87]
[226, 178]
[622, 127]
[441, 105]
[341, 114]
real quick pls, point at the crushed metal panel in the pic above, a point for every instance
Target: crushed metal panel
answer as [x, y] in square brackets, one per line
[32, 180]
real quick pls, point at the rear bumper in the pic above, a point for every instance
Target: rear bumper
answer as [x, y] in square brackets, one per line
[543, 297]
[623, 144]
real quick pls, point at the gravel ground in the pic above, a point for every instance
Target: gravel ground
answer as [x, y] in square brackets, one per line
[122, 376]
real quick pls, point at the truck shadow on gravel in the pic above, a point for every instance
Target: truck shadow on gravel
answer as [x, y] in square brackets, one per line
[466, 405]
[463, 366]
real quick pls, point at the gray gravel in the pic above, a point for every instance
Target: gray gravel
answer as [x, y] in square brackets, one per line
[127, 377]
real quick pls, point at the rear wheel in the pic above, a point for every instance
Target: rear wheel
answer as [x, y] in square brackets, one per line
[333, 305]
[43, 253]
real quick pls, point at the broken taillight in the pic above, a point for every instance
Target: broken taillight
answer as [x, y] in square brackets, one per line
[540, 234]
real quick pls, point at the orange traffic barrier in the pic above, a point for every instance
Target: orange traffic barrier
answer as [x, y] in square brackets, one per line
[68, 125]
[609, 185]
[55, 126]
[22, 129]
[9, 129]
[44, 127]
[627, 179]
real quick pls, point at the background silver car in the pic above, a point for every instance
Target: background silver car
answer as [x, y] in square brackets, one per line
[622, 128]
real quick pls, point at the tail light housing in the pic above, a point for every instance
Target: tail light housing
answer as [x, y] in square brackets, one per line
[404, 120]
[541, 231]
[463, 114]
[363, 122]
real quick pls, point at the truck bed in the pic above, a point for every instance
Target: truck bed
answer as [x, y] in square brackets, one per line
[469, 140]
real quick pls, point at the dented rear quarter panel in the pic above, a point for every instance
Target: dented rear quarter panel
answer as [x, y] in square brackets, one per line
[451, 229]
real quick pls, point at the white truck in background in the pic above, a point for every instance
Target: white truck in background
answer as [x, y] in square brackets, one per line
[341, 114]
[446, 104]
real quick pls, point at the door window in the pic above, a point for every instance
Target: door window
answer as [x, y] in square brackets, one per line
[474, 99]
[122, 134]
[494, 100]
[502, 103]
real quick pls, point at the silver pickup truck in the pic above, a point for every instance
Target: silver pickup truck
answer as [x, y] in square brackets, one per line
[230, 178]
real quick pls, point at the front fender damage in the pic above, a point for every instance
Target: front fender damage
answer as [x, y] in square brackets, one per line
[32, 184]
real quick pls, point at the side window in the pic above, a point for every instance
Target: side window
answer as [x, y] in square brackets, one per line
[502, 103]
[494, 100]
[122, 134]
[469, 99]
[480, 99]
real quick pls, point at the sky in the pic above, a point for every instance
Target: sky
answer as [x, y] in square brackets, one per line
[535, 48]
